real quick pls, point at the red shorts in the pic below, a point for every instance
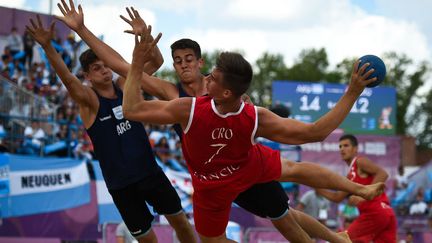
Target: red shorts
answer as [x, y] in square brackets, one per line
[376, 226]
[212, 207]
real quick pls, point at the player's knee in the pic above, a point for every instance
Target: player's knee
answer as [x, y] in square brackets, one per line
[288, 226]
[149, 237]
[178, 221]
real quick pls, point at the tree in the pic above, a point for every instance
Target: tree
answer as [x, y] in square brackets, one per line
[168, 74]
[310, 66]
[268, 67]
[407, 86]
[424, 121]
[209, 61]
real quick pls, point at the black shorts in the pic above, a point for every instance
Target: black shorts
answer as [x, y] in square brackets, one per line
[267, 200]
[157, 191]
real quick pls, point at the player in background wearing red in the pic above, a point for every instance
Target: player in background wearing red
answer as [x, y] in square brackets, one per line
[377, 221]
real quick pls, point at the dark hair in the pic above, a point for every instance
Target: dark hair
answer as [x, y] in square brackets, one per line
[350, 137]
[87, 58]
[186, 44]
[280, 110]
[236, 71]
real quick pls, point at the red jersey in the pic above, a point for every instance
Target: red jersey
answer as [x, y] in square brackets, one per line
[378, 202]
[216, 146]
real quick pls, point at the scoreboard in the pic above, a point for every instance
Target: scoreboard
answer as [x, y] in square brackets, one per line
[374, 112]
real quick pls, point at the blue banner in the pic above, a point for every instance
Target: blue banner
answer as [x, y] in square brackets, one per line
[4, 176]
[108, 213]
[41, 185]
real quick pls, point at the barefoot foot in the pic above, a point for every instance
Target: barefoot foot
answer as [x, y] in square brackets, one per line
[369, 192]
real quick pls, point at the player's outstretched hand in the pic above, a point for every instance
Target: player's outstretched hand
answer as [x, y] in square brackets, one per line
[39, 34]
[136, 22]
[144, 45]
[360, 78]
[72, 18]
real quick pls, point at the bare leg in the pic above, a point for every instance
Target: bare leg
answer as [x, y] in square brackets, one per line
[316, 229]
[217, 239]
[182, 227]
[150, 237]
[314, 175]
[290, 229]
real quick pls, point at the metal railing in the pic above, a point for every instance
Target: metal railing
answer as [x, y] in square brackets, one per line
[19, 107]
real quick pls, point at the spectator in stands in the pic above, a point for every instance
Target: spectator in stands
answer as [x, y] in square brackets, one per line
[430, 215]
[14, 41]
[7, 66]
[315, 205]
[2, 131]
[155, 135]
[3, 134]
[70, 46]
[123, 235]
[162, 150]
[28, 43]
[409, 237]
[82, 148]
[347, 213]
[419, 206]
[401, 180]
[34, 137]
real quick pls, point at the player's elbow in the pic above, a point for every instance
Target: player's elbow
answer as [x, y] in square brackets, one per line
[317, 137]
[316, 134]
[338, 199]
[384, 175]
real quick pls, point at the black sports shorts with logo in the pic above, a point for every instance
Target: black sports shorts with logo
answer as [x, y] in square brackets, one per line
[157, 191]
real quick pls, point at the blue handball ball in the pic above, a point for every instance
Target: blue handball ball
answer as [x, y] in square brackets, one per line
[377, 64]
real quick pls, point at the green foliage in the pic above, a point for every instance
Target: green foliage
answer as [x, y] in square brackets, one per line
[209, 61]
[310, 66]
[168, 74]
[267, 68]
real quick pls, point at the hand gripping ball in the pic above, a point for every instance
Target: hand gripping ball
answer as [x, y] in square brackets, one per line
[379, 69]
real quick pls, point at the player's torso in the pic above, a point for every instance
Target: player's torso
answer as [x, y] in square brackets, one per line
[217, 146]
[378, 202]
[121, 146]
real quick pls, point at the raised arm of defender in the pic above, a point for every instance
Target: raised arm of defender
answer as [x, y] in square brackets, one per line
[75, 21]
[80, 93]
[289, 131]
[154, 111]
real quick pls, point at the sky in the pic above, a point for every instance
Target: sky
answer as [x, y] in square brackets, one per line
[345, 28]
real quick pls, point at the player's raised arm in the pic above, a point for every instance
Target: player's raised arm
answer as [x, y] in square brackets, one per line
[154, 111]
[159, 88]
[80, 93]
[285, 130]
[138, 26]
[75, 21]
